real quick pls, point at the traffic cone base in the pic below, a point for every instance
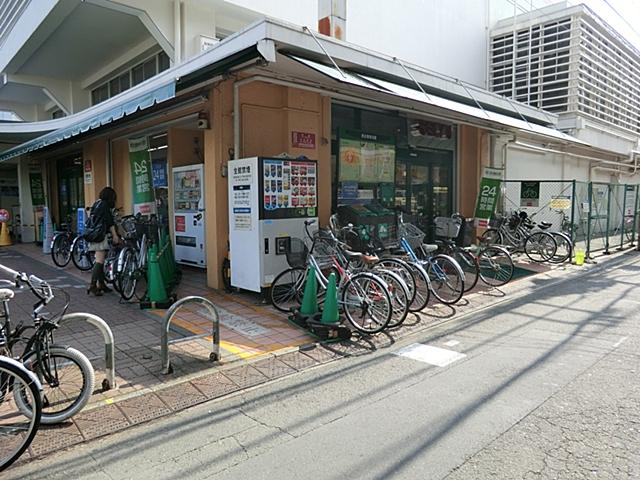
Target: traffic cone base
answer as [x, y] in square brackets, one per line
[310, 297]
[5, 238]
[330, 311]
[156, 288]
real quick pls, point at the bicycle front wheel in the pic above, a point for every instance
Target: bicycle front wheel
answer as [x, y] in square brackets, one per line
[67, 378]
[423, 291]
[540, 247]
[564, 250]
[491, 236]
[366, 303]
[81, 257]
[399, 295]
[61, 249]
[286, 289]
[401, 268]
[447, 279]
[496, 266]
[126, 275]
[469, 265]
[17, 428]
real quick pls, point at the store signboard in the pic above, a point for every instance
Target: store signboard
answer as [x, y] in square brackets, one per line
[488, 195]
[159, 173]
[366, 158]
[629, 200]
[141, 176]
[37, 189]
[303, 140]
[529, 194]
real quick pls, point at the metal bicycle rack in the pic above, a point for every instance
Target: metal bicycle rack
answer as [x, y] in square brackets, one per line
[109, 349]
[215, 333]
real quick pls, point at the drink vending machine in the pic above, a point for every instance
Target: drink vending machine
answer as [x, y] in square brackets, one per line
[269, 201]
[188, 215]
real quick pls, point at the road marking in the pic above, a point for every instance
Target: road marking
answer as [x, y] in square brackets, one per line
[242, 326]
[620, 342]
[451, 343]
[439, 357]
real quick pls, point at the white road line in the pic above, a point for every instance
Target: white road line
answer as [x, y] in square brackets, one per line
[439, 357]
[451, 343]
[620, 342]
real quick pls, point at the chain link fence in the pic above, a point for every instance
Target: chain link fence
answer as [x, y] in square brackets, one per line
[598, 216]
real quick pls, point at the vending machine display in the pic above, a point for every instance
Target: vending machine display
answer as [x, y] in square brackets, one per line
[188, 214]
[269, 200]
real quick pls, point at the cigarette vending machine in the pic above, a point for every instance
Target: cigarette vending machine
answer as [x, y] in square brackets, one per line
[269, 201]
[188, 215]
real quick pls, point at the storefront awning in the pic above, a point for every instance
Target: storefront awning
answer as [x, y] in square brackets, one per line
[113, 113]
[480, 116]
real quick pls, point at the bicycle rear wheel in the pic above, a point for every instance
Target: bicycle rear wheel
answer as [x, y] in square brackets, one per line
[491, 236]
[540, 247]
[81, 257]
[423, 292]
[447, 279]
[469, 265]
[286, 289]
[398, 294]
[564, 250]
[127, 273]
[69, 388]
[17, 428]
[496, 266]
[61, 249]
[366, 303]
[401, 268]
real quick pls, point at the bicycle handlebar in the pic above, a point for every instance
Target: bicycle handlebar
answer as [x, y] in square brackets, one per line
[39, 287]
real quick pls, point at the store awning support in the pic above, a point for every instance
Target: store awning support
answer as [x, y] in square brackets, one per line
[399, 62]
[325, 51]
[474, 98]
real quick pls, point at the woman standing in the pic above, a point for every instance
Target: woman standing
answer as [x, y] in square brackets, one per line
[101, 217]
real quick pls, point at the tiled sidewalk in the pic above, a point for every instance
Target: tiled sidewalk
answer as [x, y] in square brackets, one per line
[250, 331]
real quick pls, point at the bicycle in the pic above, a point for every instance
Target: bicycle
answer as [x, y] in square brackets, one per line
[131, 263]
[512, 233]
[364, 292]
[564, 244]
[17, 427]
[61, 245]
[65, 373]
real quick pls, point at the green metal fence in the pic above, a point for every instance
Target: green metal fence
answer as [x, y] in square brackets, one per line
[598, 216]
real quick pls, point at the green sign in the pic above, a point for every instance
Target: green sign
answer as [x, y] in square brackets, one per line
[37, 189]
[529, 194]
[489, 194]
[141, 176]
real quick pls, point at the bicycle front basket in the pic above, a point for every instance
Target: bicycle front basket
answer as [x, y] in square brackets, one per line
[128, 224]
[412, 234]
[297, 253]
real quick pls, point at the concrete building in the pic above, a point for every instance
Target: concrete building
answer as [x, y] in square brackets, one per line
[203, 82]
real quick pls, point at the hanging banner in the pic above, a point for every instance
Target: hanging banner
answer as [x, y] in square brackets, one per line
[488, 195]
[529, 194]
[37, 189]
[141, 176]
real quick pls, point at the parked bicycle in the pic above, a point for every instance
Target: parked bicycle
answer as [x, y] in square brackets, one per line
[363, 296]
[18, 427]
[65, 373]
[61, 244]
[131, 265]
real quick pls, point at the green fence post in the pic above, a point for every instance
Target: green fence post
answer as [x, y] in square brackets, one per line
[573, 210]
[624, 204]
[606, 241]
[635, 216]
[589, 198]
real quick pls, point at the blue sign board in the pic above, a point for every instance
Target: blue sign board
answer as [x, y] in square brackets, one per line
[159, 170]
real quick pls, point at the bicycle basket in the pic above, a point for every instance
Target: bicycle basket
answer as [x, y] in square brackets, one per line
[412, 234]
[297, 253]
[447, 227]
[128, 224]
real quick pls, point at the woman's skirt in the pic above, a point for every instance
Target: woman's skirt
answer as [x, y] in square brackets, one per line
[97, 246]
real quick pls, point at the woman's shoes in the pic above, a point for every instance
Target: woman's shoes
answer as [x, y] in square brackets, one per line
[105, 289]
[95, 290]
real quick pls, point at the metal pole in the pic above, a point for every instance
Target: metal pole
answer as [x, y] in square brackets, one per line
[109, 349]
[166, 322]
[573, 211]
[589, 198]
[635, 218]
[606, 243]
[622, 223]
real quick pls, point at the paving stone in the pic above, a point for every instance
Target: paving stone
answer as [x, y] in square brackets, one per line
[55, 437]
[100, 421]
[181, 396]
[320, 354]
[297, 360]
[273, 368]
[245, 376]
[215, 385]
[143, 408]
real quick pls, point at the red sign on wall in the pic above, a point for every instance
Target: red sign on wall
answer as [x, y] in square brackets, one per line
[303, 140]
[87, 165]
[180, 223]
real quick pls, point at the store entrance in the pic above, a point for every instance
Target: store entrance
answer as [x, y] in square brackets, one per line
[70, 188]
[424, 185]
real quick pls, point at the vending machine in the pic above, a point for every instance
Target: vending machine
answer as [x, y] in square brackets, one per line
[269, 201]
[188, 215]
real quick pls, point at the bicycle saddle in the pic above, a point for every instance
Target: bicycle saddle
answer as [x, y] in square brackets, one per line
[6, 294]
[545, 225]
[428, 247]
[353, 256]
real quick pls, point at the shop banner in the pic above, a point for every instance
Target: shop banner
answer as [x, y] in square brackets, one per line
[488, 195]
[141, 176]
[366, 158]
[37, 189]
[529, 194]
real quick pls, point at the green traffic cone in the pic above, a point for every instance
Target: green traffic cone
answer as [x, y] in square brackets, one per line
[155, 284]
[310, 298]
[330, 312]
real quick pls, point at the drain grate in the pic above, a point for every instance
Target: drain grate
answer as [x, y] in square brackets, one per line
[143, 408]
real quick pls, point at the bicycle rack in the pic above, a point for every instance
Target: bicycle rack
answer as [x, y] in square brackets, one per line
[109, 349]
[215, 333]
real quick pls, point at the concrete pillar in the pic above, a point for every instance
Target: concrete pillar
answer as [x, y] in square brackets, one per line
[332, 18]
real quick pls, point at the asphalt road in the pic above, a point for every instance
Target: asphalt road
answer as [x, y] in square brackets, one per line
[546, 386]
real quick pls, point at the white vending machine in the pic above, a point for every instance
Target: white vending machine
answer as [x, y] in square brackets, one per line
[269, 200]
[188, 216]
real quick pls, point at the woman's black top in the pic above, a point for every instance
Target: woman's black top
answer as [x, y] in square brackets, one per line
[101, 214]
